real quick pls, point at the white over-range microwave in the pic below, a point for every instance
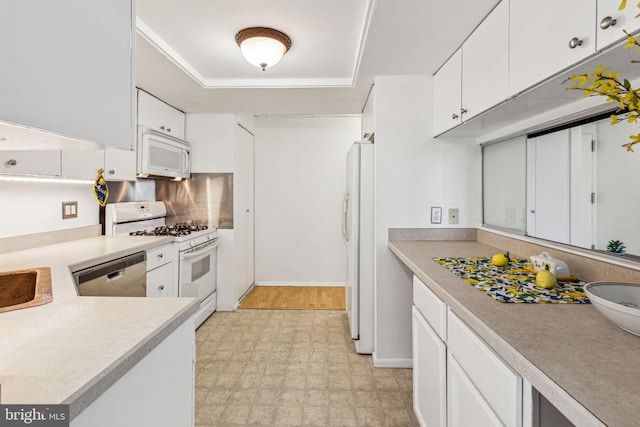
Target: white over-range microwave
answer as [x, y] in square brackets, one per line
[162, 155]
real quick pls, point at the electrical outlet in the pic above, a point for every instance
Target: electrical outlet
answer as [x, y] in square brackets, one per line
[453, 215]
[69, 210]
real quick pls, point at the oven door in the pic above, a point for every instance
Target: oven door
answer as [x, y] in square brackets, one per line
[198, 270]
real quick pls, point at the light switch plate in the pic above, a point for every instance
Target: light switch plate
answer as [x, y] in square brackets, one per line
[69, 210]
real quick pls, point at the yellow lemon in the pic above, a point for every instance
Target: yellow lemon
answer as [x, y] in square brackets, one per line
[545, 278]
[500, 260]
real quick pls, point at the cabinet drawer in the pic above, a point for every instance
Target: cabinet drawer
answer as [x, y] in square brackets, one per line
[158, 256]
[494, 379]
[159, 282]
[432, 308]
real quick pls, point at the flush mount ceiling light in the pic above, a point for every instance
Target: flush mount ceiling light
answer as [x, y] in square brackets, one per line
[263, 47]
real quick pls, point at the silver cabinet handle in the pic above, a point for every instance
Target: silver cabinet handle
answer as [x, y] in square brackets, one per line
[160, 256]
[112, 172]
[162, 127]
[574, 43]
[532, 211]
[463, 111]
[607, 22]
[11, 162]
[161, 287]
[168, 129]
[454, 116]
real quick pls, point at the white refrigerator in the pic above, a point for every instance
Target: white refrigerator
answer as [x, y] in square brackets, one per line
[357, 231]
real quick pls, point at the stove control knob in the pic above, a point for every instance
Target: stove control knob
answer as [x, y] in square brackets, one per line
[191, 243]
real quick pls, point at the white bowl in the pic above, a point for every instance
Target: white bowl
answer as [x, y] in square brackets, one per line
[618, 302]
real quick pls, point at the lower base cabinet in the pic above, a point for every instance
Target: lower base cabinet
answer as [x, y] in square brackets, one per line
[458, 380]
[158, 391]
[429, 373]
[466, 406]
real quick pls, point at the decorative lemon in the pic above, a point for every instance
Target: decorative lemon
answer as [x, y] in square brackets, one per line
[545, 278]
[500, 260]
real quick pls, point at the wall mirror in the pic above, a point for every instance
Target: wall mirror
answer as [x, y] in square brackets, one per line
[575, 185]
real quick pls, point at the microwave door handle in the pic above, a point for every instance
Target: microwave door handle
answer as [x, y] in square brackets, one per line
[185, 161]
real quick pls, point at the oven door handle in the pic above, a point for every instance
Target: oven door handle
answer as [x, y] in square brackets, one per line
[203, 248]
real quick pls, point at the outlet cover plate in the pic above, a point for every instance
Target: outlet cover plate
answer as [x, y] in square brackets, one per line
[453, 215]
[69, 210]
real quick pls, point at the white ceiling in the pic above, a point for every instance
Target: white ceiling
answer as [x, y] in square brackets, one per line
[187, 55]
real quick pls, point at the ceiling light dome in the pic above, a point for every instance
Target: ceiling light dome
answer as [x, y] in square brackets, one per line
[263, 47]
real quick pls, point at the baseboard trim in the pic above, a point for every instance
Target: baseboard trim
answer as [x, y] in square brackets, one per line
[391, 363]
[331, 284]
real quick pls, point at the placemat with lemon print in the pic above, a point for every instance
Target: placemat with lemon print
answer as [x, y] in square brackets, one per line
[512, 283]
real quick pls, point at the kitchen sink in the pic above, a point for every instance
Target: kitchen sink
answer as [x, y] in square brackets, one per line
[25, 288]
[618, 302]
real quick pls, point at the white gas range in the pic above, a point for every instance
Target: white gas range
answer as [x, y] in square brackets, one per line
[195, 248]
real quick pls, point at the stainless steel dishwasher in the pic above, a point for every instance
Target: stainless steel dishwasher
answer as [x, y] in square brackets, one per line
[121, 277]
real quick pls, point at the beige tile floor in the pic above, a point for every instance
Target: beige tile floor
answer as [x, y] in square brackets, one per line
[293, 368]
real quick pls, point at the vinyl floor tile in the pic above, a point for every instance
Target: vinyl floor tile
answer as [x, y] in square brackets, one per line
[275, 368]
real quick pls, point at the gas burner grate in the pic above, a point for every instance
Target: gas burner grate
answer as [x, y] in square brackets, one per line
[180, 229]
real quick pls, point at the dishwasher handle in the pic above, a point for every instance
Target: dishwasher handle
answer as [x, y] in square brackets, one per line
[115, 275]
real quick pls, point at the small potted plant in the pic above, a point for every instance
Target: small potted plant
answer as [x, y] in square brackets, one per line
[616, 247]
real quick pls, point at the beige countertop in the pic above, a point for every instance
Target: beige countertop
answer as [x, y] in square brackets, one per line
[72, 349]
[581, 362]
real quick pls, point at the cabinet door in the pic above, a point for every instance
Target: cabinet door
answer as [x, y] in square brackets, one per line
[158, 115]
[485, 64]
[82, 164]
[30, 162]
[612, 21]
[465, 405]
[429, 373]
[540, 32]
[160, 282]
[447, 94]
[71, 68]
[120, 165]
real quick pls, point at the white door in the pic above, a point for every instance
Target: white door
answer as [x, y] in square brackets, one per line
[612, 21]
[351, 233]
[548, 191]
[447, 95]
[465, 405]
[244, 220]
[539, 37]
[429, 373]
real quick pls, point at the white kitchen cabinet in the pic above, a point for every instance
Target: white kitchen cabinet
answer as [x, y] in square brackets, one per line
[158, 391]
[117, 165]
[161, 277]
[494, 381]
[71, 68]
[429, 373]
[611, 22]
[541, 35]
[30, 162]
[158, 115]
[120, 165]
[485, 64]
[82, 164]
[447, 94]
[466, 405]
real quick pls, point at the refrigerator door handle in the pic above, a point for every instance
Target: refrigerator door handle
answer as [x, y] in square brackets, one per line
[345, 209]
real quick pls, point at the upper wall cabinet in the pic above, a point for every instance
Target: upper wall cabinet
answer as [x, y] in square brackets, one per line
[447, 94]
[158, 115]
[546, 37]
[612, 21]
[475, 78]
[485, 65]
[68, 68]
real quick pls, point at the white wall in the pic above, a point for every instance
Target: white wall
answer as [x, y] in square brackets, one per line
[413, 172]
[36, 207]
[300, 180]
